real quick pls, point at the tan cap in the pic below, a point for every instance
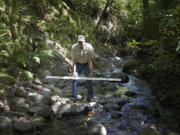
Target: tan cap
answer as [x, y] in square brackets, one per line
[81, 38]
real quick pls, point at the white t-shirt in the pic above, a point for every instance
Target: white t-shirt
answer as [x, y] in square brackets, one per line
[82, 55]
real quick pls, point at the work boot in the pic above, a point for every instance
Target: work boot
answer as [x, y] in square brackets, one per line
[73, 99]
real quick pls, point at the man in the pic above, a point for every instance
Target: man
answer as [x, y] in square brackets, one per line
[82, 53]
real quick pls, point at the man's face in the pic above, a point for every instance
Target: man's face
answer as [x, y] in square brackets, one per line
[81, 44]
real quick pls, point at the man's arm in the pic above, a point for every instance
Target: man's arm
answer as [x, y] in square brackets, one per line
[74, 68]
[90, 67]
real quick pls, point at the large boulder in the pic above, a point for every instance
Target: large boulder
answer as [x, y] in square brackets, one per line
[19, 104]
[46, 92]
[42, 110]
[64, 109]
[55, 107]
[23, 125]
[96, 129]
[39, 98]
[71, 109]
[78, 109]
[5, 122]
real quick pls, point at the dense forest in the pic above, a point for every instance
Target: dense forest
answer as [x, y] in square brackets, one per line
[32, 32]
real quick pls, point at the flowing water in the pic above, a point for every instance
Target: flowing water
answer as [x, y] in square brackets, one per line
[121, 115]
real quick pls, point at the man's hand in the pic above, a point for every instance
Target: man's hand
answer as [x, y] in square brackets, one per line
[75, 74]
[90, 67]
[91, 74]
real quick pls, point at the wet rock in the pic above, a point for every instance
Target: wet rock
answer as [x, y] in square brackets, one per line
[55, 107]
[28, 89]
[103, 102]
[116, 115]
[19, 103]
[111, 87]
[42, 110]
[45, 92]
[108, 96]
[37, 87]
[5, 122]
[119, 101]
[92, 104]
[26, 83]
[110, 107]
[140, 107]
[23, 125]
[37, 120]
[46, 101]
[130, 94]
[37, 81]
[35, 97]
[121, 75]
[71, 109]
[78, 109]
[59, 99]
[148, 131]
[97, 129]
[64, 109]
[19, 92]
[75, 122]
[55, 98]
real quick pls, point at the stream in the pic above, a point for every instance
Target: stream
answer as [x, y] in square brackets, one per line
[118, 108]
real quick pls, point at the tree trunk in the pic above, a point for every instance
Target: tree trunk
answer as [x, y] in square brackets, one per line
[10, 9]
[70, 4]
[150, 20]
[108, 4]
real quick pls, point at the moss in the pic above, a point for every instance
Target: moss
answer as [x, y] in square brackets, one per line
[120, 92]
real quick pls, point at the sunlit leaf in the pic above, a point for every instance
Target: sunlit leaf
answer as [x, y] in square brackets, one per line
[88, 119]
[178, 47]
[37, 59]
[27, 75]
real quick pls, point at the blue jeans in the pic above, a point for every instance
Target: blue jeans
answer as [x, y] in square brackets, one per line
[85, 69]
